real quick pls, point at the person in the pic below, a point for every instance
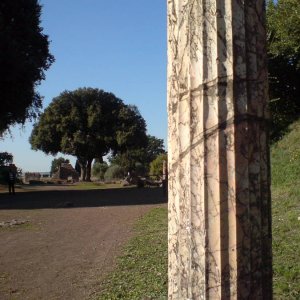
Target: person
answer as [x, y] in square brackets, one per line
[11, 178]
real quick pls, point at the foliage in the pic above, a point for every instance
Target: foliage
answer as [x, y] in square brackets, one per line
[284, 28]
[99, 169]
[128, 159]
[141, 271]
[24, 57]
[140, 169]
[5, 158]
[156, 166]
[114, 172]
[87, 123]
[140, 156]
[56, 162]
[283, 20]
[155, 147]
[131, 130]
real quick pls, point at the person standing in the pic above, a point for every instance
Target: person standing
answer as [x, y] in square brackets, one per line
[11, 178]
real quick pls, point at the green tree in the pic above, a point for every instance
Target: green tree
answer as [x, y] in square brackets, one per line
[5, 158]
[24, 57]
[87, 123]
[283, 20]
[141, 156]
[156, 166]
[155, 147]
[114, 172]
[99, 169]
[56, 162]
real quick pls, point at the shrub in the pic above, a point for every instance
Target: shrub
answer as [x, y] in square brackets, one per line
[99, 170]
[156, 166]
[114, 172]
[140, 169]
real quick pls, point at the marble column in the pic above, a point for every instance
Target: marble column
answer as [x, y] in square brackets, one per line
[219, 176]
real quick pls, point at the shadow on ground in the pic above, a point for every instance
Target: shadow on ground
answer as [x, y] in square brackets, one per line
[82, 198]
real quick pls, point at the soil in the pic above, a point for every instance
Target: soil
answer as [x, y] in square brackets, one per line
[61, 244]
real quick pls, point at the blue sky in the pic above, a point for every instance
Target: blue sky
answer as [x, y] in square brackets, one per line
[119, 46]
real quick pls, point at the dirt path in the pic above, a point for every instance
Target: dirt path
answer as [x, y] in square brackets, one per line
[69, 241]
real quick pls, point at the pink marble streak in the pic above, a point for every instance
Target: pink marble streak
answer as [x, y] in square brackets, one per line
[219, 179]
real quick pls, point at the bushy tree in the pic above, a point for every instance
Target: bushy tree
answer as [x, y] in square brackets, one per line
[156, 166]
[56, 162]
[283, 19]
[114, 172]
[99, 169]
[5, 158]
[24, 57]
[87, 123]
[143, 155]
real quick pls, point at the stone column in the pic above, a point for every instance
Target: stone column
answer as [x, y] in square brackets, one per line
[219, 177]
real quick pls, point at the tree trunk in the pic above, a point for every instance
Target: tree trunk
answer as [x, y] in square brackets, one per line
[88, 169]
[83, 173]
[83, 166]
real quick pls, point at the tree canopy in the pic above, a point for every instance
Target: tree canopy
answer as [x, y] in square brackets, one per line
[5, 158]
[24, 57]
[88, 123]
[283, 22]
[142, 154]
[156, 166]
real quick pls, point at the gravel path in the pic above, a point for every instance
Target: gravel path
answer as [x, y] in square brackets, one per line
[60, 244]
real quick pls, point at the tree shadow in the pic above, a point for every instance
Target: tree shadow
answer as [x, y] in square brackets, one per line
[83, 198]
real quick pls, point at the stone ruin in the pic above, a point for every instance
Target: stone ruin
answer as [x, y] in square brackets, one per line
[66, 172]
[32, 176]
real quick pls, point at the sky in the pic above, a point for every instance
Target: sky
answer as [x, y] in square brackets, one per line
[119, 46]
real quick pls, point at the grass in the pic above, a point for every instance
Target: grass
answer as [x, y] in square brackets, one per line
[141, 272]
[285, 160]
[96, 185]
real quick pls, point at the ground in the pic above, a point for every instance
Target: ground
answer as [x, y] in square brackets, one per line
[68, 241]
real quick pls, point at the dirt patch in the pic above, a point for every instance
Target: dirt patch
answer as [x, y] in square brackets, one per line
[66, 240]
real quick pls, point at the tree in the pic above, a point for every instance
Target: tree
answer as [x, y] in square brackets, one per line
[156, 166]
[283, 20]
[56, 163]
[5, 158]
[24, 57]
[87, 123]
[114, 172]
[99, 169]
[154, 148]
[141, 155]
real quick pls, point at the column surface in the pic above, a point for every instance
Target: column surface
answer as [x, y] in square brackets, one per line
[219, 177]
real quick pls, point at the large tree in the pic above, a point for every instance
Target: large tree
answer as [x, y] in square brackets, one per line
[87, 123]
[141, 154]
[24, 57]
[283, 18]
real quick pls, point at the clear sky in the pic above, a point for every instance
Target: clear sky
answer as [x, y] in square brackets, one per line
[119, 46]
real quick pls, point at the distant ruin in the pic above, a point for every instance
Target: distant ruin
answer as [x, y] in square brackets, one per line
[66, 172]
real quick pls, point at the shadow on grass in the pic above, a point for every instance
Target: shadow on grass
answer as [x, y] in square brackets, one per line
[82, 198]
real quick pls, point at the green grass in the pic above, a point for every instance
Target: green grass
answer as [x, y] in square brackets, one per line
[96, 185]
[141, 272]
[285, 158]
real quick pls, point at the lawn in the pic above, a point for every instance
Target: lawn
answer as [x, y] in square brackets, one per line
[141, 272]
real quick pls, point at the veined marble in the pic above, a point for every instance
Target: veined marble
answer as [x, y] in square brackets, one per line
[219, 177]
